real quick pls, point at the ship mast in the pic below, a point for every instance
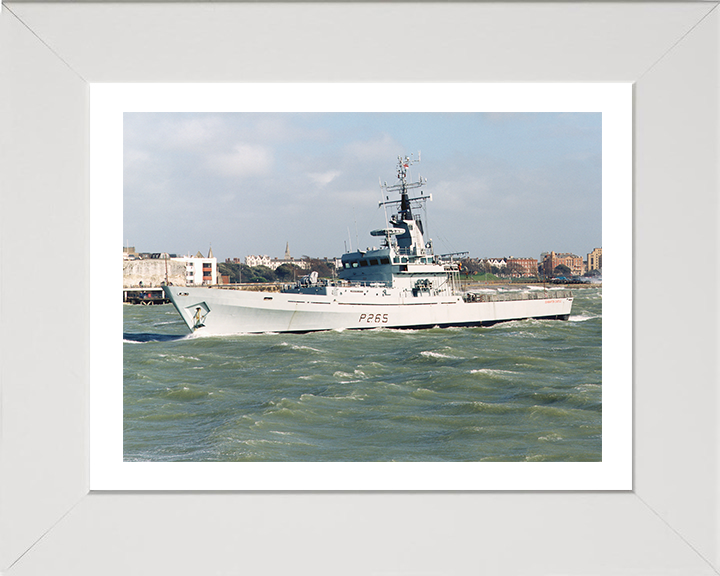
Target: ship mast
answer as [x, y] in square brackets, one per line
[405, 211]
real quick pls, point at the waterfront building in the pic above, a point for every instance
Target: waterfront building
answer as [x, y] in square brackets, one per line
[275, 263]
[594, 260]
[522, 266]
[253, 261]
[272, 263]
[153, 269]
[496, 262]
[511, 265]
[199, 271]
[152, 272]
[552, 260]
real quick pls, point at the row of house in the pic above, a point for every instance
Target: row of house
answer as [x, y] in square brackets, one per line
[272, 263]
[547, 264]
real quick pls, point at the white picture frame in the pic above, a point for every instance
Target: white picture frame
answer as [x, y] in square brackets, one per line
[49, 53]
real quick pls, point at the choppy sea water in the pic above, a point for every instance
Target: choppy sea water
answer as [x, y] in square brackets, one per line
[526, 390]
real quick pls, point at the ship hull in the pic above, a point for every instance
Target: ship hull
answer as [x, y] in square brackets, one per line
[214, 311]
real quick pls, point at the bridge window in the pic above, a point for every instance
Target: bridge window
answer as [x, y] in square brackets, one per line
[363, 263]
[384, 260]
[373, 261]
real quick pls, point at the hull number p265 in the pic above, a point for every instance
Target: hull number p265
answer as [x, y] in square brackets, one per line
[373, 318]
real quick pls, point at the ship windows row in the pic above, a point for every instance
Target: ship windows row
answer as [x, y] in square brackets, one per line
[368, 262]
[384, 260]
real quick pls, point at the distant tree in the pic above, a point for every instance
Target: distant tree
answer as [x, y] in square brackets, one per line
[562, 270]
[324, 268]
[260, 274]
[242, 273]
[288, 272]
[230, 269]
[593, 273]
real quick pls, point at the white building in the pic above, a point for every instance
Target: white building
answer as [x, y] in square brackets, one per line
[498, 262]
[199, 271]
[274, 263]
[257, 261]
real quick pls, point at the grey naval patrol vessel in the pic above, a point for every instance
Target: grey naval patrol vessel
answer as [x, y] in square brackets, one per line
[402, 284]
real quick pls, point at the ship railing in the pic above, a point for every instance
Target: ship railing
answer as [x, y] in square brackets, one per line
[371, 284]
[516, 296]
[250, 286]
[352, 283]
[334, 284]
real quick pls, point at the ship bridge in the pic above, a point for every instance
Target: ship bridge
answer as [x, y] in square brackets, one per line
[404, 259]
[367, 266]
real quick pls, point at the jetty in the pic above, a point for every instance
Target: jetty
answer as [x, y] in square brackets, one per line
[144, 296]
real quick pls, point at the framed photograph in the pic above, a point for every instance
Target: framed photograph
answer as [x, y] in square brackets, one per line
[581, 131]
[62, 511]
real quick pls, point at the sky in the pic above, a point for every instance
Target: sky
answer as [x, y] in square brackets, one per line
[503, 184]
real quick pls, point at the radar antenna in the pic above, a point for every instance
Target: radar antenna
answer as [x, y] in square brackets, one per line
[405, 211]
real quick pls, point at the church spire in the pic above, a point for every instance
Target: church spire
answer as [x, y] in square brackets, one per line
[287, 251]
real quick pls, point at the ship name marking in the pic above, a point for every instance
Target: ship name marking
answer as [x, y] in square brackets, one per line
[374, 318]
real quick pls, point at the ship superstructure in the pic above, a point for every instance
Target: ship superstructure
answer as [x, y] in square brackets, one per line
[404, 260]
[401, 284]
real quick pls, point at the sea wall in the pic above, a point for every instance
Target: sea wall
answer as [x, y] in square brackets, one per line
[152, 272]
